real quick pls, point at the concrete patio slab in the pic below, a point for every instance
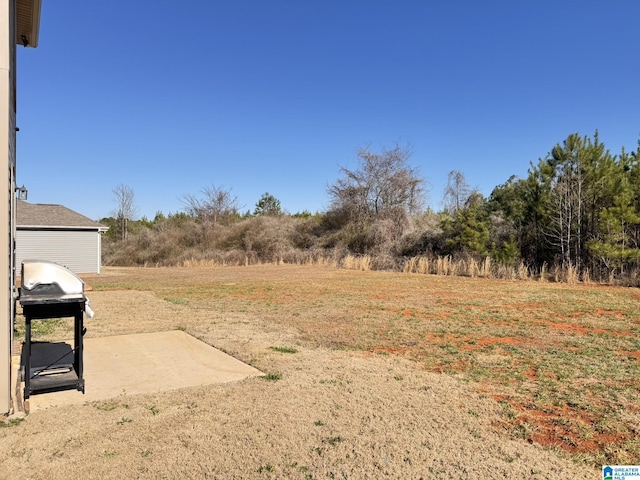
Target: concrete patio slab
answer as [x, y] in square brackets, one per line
[145, 363]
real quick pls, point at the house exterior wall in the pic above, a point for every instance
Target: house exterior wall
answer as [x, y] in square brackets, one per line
[7, 188]
[78, 250]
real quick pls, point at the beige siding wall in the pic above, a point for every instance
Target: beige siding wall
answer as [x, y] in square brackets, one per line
[7, 163]
[79, 251]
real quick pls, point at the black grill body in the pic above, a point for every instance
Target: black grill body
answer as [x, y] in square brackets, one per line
[49, 290]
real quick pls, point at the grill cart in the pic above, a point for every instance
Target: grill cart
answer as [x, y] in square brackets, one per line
[49, 290]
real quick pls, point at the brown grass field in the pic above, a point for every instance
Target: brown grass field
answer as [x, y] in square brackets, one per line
[369, 375]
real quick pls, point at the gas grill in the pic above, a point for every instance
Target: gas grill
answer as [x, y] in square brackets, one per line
[49, 290]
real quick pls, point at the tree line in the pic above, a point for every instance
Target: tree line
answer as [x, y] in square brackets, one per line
[578, 208]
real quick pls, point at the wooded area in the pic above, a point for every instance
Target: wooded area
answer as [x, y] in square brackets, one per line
[577, 212]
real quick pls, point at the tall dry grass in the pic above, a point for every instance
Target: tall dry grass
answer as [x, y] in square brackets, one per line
[446, 266]
[571, 274]
[522, 272]
[543, 272]
[424, 265]
[357, 262]
[419, 264]
[468, 267]
[485, 271]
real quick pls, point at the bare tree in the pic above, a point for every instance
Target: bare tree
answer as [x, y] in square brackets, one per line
[216, 204]
[457, 192]
[383, 181]
[567, 197]
[565, 212]
[126, 210]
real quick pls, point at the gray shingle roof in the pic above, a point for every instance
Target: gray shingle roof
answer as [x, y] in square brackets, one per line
[51, 216]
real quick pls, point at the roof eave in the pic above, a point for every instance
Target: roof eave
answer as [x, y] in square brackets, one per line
[61, 227]
[28, 27]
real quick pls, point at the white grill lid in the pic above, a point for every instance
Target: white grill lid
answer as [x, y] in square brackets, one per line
[42, 272]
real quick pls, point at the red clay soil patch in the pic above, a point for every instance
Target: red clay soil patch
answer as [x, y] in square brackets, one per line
[608, 313]
[458, 366]
[563, 427]
[576, 329]
[635, 354]
[532, 373]
[462, 342]
[472, 342]
[488, 341]
[392, 350]
[553, 428]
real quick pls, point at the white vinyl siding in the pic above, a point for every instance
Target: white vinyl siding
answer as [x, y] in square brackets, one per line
[78, 250]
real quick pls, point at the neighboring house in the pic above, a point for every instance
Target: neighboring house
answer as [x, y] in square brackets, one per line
[58, 234]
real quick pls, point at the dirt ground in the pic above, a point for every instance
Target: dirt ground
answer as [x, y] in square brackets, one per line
[320, 412]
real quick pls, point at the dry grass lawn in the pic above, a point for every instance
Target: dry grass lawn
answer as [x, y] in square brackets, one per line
[370, 375]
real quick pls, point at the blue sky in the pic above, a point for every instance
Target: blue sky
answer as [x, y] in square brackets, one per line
[275, 96]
